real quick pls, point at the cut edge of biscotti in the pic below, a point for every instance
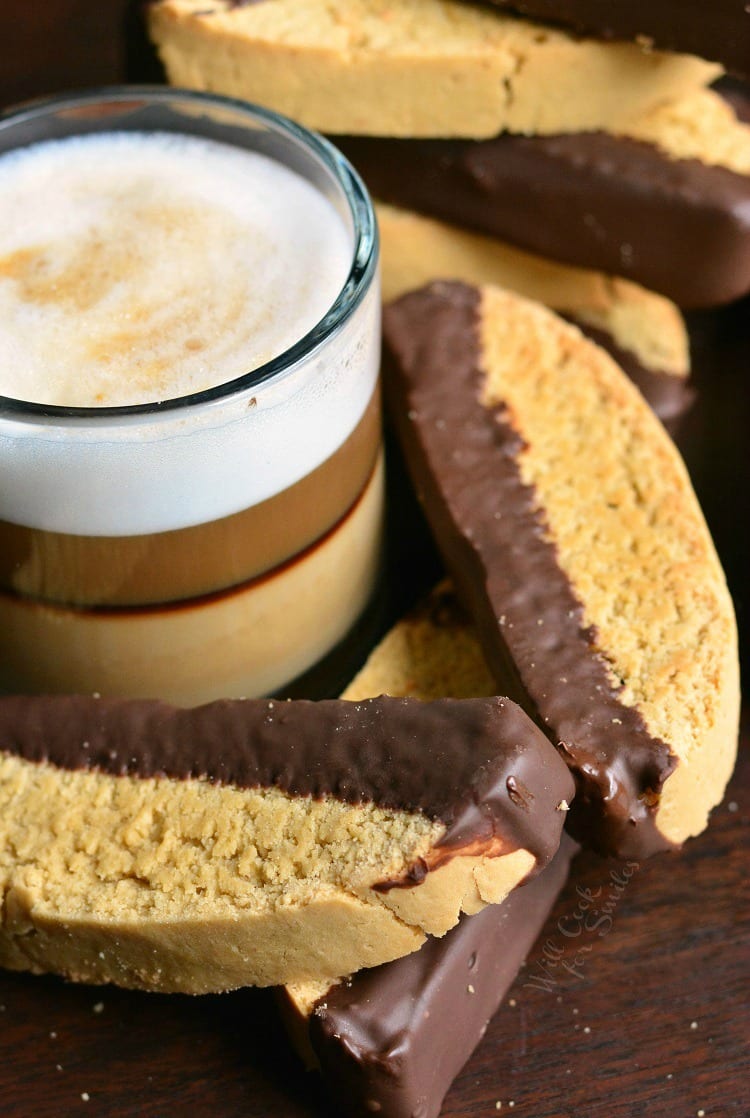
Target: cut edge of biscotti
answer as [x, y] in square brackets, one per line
[616, 513]
[193, 884]
[418, 68]
[416, 250]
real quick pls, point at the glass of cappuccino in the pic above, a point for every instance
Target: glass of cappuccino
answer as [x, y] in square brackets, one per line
[191, 474]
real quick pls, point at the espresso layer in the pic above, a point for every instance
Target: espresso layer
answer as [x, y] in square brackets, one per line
[489, 525]
[173, 566]
[720, 31]
[676, 226]
[469, 764]
[392, 1039]
[249, 640]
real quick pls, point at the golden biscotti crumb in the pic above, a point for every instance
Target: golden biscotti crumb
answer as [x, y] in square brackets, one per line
[700, 125]
[432, 652]
[413, 68]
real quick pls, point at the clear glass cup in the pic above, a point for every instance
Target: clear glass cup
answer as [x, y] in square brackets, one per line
[271, 547]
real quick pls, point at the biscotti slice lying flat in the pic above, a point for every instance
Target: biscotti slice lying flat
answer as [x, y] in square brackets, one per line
[645, 333]
[391, 1040]
[412, 68]
[568, 522]
[397, 1035]
[259, 842]
[719, 30]
[665, 202]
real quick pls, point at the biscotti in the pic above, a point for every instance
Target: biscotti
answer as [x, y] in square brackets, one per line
[380, 1039]
[259, 842]
[665, 203]
[644, 332]
[569, 525]
[391, 1040]
[431, 652]
[413, 68]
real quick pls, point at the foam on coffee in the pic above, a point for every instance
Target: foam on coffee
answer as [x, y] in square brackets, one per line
[228, 258]
[141, 267]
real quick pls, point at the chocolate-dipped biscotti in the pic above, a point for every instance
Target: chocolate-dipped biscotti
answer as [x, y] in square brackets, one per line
[568, 522]
[392, 1039]
[412, 68]
[663, 200]
[644, 332]
[379, 1039]
[260, 842]
[603, 155]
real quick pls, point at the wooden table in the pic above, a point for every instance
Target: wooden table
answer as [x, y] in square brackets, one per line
[651, 1017]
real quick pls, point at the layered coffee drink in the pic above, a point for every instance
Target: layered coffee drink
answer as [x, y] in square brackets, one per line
[189, 425]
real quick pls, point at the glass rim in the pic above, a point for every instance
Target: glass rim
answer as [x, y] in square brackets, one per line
[351, 294]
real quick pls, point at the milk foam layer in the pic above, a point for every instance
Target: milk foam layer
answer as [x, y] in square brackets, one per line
[134, 475]
[138, 267]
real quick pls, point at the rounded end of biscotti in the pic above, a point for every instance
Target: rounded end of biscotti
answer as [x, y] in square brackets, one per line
[703, 770]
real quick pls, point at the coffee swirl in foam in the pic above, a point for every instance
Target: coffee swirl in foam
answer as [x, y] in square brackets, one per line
[137, 267]
[142, 267]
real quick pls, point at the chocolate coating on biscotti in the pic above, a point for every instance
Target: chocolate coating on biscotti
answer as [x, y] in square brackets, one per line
[618, 205]
[392, 1039]
[720, 30]
[464, 460]
[456, 762]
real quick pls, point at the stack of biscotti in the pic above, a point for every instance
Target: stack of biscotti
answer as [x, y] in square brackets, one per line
[644, 332]
[276, 842]
[380, 1039]
[562, 511]
[609, 155]
[570, 527]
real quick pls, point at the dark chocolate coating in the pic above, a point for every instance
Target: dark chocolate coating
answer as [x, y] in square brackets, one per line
[677, 226]
[455, 761]
[463, 458]
[718, 30]
[392, 1040]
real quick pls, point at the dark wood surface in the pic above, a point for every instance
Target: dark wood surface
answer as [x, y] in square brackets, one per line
[647, 1015]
